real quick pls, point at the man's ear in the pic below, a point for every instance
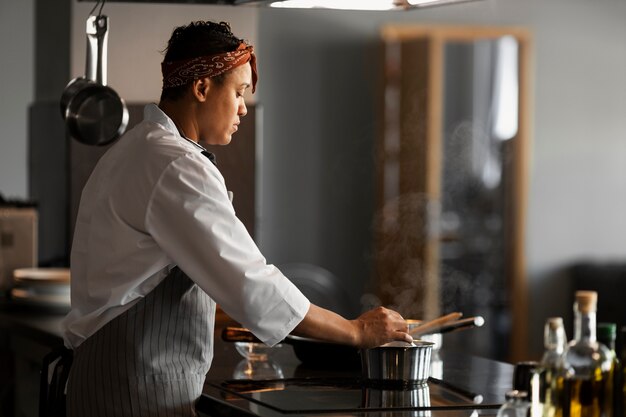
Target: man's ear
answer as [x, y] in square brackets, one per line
[200, 88]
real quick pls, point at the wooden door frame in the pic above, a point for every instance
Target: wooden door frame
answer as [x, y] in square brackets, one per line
[434, 38]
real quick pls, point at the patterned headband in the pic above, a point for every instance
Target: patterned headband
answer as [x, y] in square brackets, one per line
[182, 72]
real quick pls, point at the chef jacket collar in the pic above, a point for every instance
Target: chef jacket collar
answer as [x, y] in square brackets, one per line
[153, 113]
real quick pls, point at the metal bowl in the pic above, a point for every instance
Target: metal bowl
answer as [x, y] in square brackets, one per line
[398, 363]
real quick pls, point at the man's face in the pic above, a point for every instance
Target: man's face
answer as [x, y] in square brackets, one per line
[220, 113]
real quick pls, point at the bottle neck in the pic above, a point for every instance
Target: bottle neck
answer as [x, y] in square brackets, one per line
[555, 340]
[585, 326]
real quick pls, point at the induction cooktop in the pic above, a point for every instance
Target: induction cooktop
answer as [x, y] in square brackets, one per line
[332, 395]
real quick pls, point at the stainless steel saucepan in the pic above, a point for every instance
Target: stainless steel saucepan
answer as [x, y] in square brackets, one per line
[397, 363]
[94, 113]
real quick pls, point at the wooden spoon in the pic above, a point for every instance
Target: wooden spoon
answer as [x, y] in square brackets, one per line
[455, 325]
[438, 322]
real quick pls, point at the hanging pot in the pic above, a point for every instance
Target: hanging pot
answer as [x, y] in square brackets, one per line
[94, 113]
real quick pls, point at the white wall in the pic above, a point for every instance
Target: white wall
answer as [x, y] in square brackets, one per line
[578, 189]
[16, 92]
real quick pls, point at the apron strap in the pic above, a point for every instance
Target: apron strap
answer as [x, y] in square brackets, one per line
[54, 372]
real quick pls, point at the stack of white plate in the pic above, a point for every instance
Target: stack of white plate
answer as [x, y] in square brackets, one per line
[45, 287]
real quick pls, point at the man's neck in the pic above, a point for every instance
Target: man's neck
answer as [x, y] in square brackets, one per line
[181, 116]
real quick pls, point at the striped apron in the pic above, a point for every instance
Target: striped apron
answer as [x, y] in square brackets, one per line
[151, 360]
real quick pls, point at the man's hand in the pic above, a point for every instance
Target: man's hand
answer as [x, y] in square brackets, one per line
[379, 326]
[373, 328]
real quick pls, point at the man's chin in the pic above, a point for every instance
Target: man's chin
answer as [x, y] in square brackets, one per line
[224, 141]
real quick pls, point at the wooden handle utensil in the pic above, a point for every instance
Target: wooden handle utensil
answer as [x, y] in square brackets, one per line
[427, 326]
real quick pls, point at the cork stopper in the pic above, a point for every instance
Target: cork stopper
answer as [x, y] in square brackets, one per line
[554, 323]
[554, 337]
[586, 301]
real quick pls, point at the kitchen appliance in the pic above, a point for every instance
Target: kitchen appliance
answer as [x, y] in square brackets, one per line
[18, 241]
[465, 386]
[322, 396]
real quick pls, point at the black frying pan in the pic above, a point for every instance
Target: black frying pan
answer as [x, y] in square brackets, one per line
[311, 352]
[325, 355]
[94, 113]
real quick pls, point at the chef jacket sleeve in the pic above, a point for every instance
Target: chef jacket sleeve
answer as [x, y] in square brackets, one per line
[193, 221]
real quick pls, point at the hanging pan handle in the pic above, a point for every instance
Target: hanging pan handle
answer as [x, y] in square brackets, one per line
[97, 39]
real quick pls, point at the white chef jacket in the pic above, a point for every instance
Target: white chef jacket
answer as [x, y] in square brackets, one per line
[153, 202]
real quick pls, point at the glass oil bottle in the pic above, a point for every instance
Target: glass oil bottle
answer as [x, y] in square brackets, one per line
[516, 405]
[607, 335]
[551, 369]
[621, 390]
[587, 385]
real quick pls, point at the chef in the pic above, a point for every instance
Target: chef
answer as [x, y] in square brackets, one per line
[157, 244]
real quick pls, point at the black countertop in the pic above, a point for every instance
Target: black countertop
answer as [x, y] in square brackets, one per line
[485, 379]
[482, 382]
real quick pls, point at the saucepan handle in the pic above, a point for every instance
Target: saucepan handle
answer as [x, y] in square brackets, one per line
[97, 37]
